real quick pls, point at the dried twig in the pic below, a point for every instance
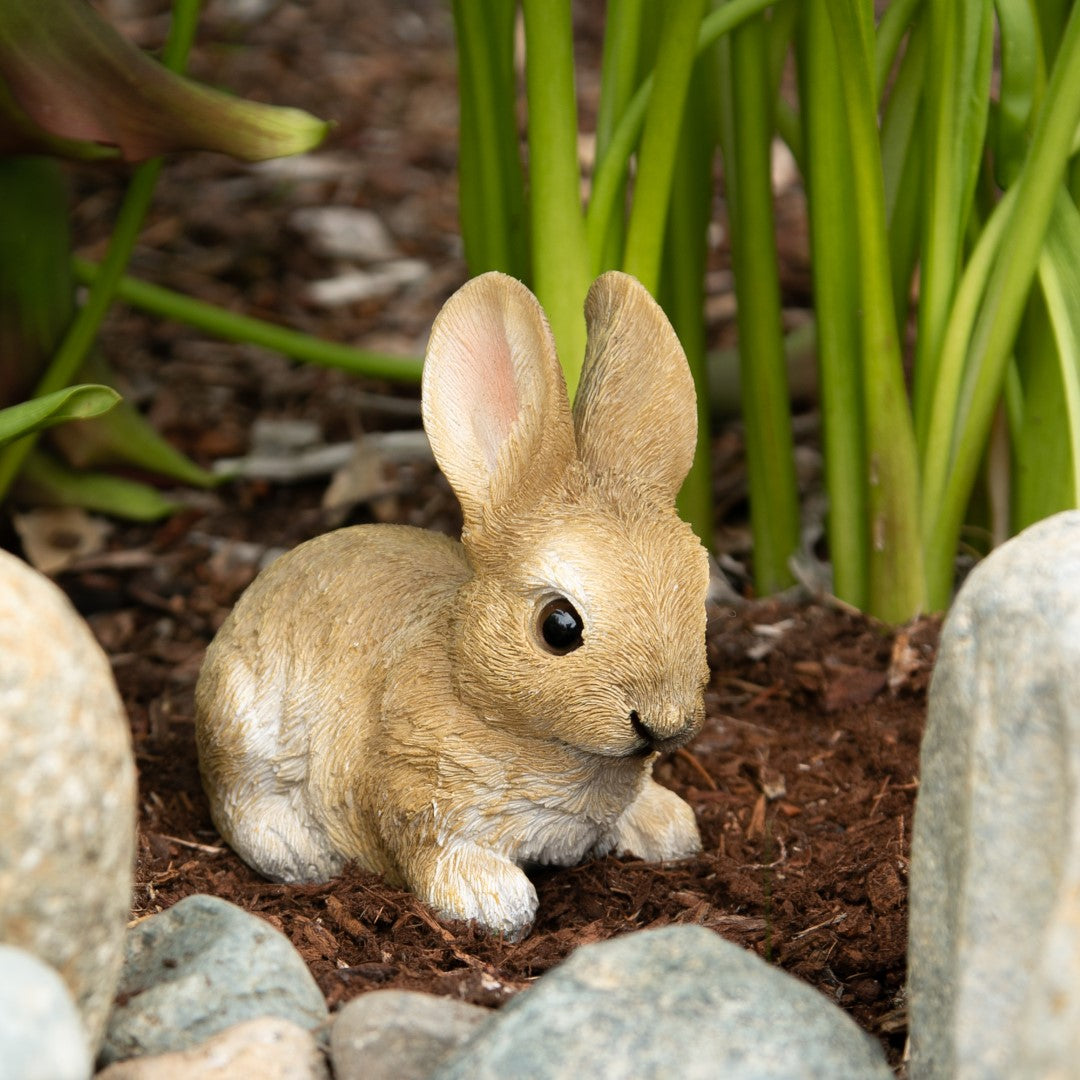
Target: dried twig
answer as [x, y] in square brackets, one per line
[820, 926]
[210, 849]
[685, 755]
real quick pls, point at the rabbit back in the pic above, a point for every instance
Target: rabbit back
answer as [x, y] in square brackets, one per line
[290, 705]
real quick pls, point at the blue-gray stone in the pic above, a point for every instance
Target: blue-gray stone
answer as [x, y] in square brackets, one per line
[399, 1034]
[41, 1032]
[994, 950]
[679, 1001]
[200, 967]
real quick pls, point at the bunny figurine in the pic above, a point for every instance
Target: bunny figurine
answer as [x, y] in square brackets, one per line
[445, 713]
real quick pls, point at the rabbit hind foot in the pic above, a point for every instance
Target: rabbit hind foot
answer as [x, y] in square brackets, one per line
[273, 838]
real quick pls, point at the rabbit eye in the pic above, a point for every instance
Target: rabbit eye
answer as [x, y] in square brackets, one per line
[560, 626]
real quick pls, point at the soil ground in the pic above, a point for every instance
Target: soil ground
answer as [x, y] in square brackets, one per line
[805, 775]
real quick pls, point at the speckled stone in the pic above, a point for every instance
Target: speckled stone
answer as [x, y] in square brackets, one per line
[199, 967]
[994, 951]
[67, 792]
[268, 1048]
[679, 1001]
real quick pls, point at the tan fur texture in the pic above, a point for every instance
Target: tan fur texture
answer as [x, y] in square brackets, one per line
[384, 695]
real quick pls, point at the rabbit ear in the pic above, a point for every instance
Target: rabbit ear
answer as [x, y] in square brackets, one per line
[636, 409]
[494, 400]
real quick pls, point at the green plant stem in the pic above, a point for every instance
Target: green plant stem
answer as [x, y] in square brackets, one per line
[783, 19]
[780, 28]
[999, 314]
[900, 127]
[954, 122]
[747, 142]
[902, 154]
[944, 417]
[618, 79]
[836, 300]
[610, 173]
[1051, 16]
[1041, 392]
[491, 184]
[73, 350]
[895, 23]
[896, 581]
[232, 327]
[685, 252]
[800, 357]
[1022, 82]
[1059, 275]
[38, 297]
[83, 330]
[660, 141]
[181, 36]
[560, 258]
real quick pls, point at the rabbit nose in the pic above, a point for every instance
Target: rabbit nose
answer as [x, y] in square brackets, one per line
[664, 732]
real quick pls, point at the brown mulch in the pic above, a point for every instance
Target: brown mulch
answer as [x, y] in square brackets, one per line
[805, 775]
[803, 781]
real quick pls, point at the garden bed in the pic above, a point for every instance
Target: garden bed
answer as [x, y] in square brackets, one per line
[805, 775]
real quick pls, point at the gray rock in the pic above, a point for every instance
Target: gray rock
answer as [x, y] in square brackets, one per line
[41, 1032]
[345, 232]
[199, 967]
[679, 1001]
[399, 1035]
[268, 1048]
[352, 286]
[67, 793]
[994, 951]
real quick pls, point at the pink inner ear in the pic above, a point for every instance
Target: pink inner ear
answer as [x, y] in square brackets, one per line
[488, 372]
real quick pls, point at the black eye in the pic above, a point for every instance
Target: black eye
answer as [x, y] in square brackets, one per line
[560, 626]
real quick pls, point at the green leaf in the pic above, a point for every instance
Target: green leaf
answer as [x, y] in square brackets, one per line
[1042, 479]
[953, 122]
[1047, 437]
[71, 84]
[1023, 79]
[44, 481]
[896, 20]
[125, 438]
[902, 159]
[73, 403]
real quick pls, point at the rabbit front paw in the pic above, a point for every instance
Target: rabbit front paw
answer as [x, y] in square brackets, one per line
[468, 882]
[657, 825]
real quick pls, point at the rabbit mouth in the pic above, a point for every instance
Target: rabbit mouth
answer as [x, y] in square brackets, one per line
[652, 742]
[641, 751]
[648, 742]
